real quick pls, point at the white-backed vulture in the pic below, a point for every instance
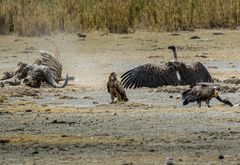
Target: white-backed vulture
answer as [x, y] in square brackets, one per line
[115, 88]
[47, 69]
[172, 73]
[203, 92]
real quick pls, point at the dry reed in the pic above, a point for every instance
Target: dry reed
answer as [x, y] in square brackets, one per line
[35, 17]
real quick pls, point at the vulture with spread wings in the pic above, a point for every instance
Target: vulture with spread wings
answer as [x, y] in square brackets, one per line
[172, 73]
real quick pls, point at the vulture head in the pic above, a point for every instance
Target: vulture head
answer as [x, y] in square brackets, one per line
[112, 76]
[174, 49]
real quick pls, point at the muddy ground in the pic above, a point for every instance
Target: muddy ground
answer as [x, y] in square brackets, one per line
[77, 125]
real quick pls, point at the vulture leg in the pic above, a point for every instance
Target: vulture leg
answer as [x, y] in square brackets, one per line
[208, 103]
[199, 104]
[112, 98]
[119, 99]
[185, 102]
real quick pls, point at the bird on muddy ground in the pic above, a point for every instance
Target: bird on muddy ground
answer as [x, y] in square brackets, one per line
[115, 88]
[203, 92]
[172, 73]
[47, 69]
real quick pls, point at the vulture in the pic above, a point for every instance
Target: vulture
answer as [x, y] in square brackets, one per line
[116, 89]
[203, 92]
[47, 69]
[172, 73]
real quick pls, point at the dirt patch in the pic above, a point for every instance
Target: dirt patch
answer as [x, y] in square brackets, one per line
[78, 125]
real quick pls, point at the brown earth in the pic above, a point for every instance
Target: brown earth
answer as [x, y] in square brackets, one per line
[77, 125]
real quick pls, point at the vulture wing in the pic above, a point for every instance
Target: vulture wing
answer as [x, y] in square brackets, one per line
[207, 84]
[120, 88]
[53, 62]
[192, 94]
[108, 87]
[150, 75]
[121, 91]
[201, 73]
[172, 73]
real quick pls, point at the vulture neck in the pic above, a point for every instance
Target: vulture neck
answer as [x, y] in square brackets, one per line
[175, 56]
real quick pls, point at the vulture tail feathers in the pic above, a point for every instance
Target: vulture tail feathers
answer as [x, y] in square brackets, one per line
[185, 102]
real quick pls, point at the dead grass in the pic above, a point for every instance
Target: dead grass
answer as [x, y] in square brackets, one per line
[67, 139]
[34, 18]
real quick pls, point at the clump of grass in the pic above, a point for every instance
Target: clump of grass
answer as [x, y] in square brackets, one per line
[2, 98]
[34, 18]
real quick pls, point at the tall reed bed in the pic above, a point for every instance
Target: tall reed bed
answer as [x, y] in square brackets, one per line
[37, 17]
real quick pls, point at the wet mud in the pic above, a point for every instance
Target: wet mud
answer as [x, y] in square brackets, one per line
[77, 125]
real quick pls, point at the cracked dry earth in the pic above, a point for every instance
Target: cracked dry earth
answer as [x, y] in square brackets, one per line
[77, 125]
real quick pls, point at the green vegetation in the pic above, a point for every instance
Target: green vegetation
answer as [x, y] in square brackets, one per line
[36, 17]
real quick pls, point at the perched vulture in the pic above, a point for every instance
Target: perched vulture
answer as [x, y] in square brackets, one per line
[115, 88]
[172, 73]
[203, 92]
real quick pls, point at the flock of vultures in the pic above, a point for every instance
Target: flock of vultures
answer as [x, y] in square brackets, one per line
[48, 70]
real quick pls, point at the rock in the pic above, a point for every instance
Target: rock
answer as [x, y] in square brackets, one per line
[232, 81]
[58, 122]
[67, 97]
[212, 67]
[179, 97]
[229, 89]
[217, 33]
[35, 152]
[95, 102]
[174, 34]
[87, 97]
[195, 37]
[220, 157]
[4, 141]
[130, 163]
[28, 110]
[201, 56]
[81, 35]
[154, 56]
[169, 161]
[5, 113]
[2, 99]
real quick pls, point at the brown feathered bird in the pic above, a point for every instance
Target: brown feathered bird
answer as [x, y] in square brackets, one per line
[115, 88]
[172, 73]
[203, 92]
